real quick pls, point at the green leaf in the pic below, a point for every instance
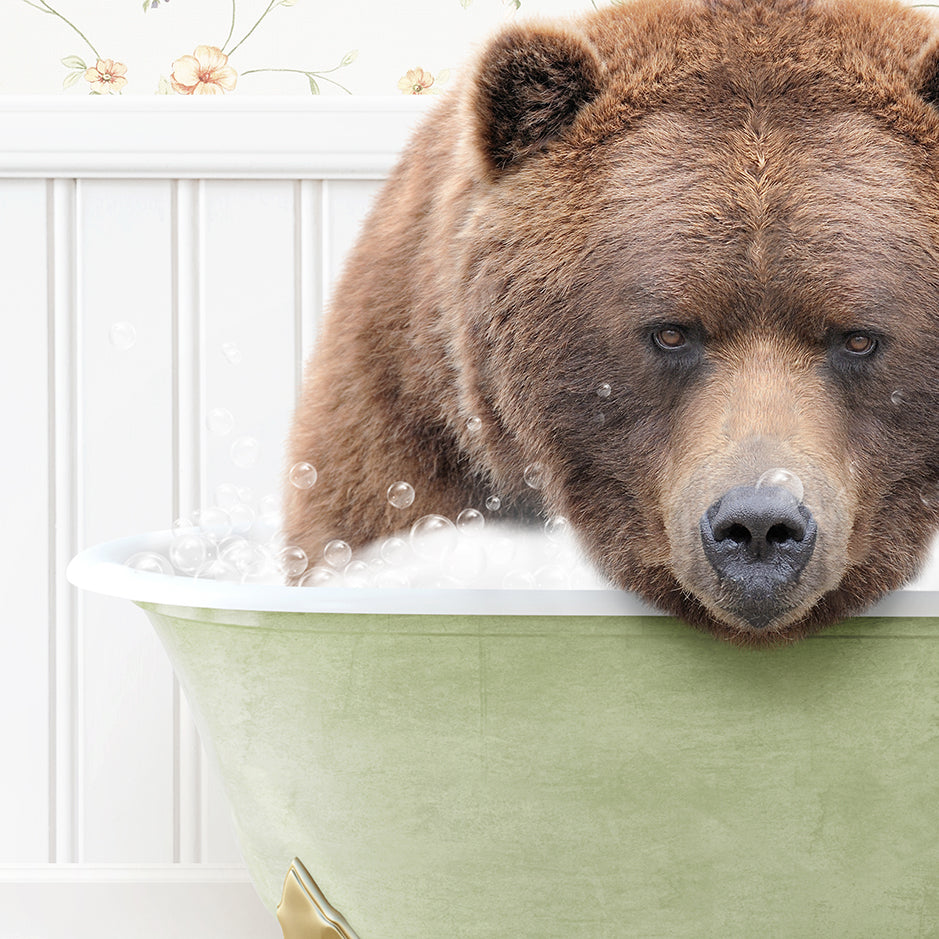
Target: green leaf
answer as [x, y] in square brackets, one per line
[164, 87]
[73, 61]
[288, 3]
[349, 58]
[465, 4]
[146, 5]
[442, 76]
[314, 88]
[71, 79]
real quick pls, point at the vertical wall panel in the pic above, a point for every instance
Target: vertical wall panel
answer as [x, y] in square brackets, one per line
[250, 325]
[310, 248]
[25, 547]
[346, 202]
[188, 769]
[65, 702]
[127, 466]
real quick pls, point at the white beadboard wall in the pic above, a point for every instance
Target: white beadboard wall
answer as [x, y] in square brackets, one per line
[201, 224]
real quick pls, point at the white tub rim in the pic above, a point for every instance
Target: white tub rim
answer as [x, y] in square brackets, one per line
[101, 569]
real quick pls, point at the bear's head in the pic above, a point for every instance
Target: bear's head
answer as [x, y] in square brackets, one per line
[697, 283]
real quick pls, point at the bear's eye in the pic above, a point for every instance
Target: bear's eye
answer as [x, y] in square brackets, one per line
[669, 338]
[860, 344]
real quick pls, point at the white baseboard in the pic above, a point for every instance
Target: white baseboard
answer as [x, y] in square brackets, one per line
[66, 901]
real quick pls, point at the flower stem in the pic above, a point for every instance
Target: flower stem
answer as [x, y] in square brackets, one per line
[48, 9]
[231, 28]
[270, 6]
[301, 71]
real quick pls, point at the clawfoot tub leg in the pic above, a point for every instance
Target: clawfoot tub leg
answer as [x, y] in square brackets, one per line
[304, 912]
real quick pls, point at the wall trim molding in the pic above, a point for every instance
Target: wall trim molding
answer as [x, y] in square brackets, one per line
[167, 137]
[147, 901]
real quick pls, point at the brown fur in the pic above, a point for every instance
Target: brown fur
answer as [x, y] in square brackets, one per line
[764, 174]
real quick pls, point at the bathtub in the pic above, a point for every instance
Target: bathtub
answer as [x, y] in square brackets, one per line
[558, 764]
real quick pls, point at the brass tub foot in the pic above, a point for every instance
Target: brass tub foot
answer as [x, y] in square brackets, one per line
[304, 912]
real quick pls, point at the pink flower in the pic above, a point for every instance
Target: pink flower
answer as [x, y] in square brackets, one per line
[205, 72]
[416, 82]
[107, 77]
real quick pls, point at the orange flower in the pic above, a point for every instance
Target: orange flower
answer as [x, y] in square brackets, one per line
[416, 82]
[107, 77]
[205, 72]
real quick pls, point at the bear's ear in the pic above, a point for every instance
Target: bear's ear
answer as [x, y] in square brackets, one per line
[925, 72]
[530, 83]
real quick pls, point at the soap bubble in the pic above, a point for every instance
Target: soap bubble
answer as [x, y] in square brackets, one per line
[217, 569]
[401, 495]
[150, 562]
[443, 542]
[245, 556]
[394, 551]
[930, 495]
[122, 336]
[518, 580]
[604, 390]
[474, 424]
[784, 479]
[898, 399]
[266, 526]
[269, 504]
[553, 577]
[319, 577]
[534, 475]
[493, 503]
[468, 560]
[215, 523]
[266, 575]
[226, 495]
[232, 353]
[242, 518]
[470, 521]
[355, 574]
[446, 582]
[292, 560]
[302, 475]
[557, 527]
[220, 421]
[337, 554]
[245, 451]
[185, 521]
[392, 578]
[189, 552]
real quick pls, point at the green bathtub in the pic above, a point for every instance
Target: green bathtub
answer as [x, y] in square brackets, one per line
[571, 767]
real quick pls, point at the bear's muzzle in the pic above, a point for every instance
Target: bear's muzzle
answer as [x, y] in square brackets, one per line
[758, 540]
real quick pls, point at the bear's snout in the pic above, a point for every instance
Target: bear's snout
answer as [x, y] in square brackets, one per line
[758, 540]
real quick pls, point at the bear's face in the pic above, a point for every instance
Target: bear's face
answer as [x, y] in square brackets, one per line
[666, 312]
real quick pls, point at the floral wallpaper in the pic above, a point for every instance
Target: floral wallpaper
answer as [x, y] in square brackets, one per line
[226, 47]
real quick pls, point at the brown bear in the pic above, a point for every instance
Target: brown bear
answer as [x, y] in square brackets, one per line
[661, 252]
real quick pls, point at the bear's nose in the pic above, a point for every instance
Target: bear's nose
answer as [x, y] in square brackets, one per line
[758, 541]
